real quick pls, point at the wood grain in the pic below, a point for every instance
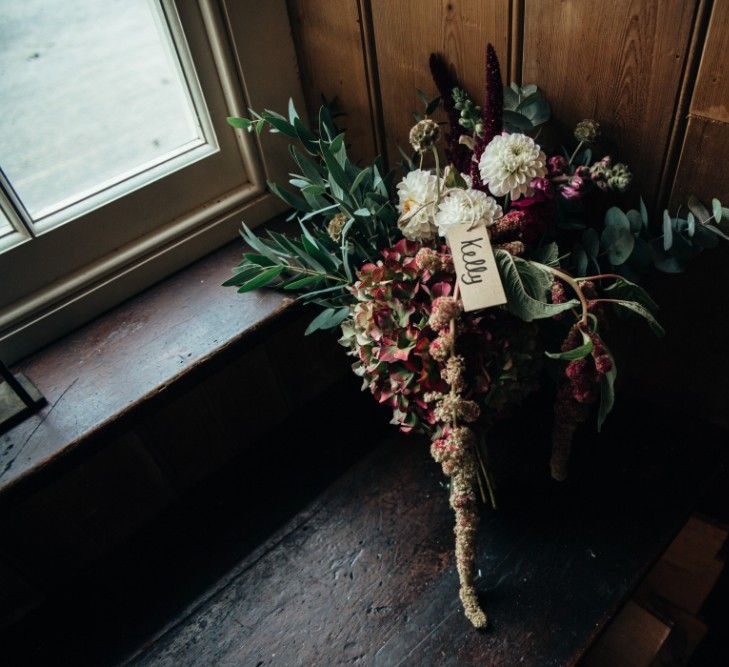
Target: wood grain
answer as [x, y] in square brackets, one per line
[331, 56]
[711, 94]
[620, 64]
[408, 31]
[366, 574]
[706, 140]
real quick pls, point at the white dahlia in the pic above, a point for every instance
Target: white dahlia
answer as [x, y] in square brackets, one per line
[417, 194]
[509, 163]
[461, 207]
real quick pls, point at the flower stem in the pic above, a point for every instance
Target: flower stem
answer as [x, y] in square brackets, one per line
[577, 150]
[574, 284]
[600, 276]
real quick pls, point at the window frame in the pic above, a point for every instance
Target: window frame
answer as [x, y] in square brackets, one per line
[247, 41]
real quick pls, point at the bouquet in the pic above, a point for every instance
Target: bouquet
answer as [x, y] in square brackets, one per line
[451, 330]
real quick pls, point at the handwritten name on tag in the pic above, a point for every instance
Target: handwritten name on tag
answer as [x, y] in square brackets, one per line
[478, 276]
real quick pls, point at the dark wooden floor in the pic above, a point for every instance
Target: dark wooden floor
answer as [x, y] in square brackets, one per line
[365, 574]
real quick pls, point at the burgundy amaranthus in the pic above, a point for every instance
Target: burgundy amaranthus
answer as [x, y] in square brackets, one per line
[580, 386]
[493, 109]
[456, 153]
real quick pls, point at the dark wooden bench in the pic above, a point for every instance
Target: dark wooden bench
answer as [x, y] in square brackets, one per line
[365, 575]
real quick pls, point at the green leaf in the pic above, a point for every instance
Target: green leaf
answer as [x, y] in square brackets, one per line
[241, 276]
[337, 177]
[616, 237]
[637, 308]
[698, 209]
[262, 279]
[239, 123]
[329, 262]
[279, 124]
[667, 231]
[516, 121]
[690, 224]
[432, 106]
[358, 180]
[643, 213]
[575, 353]
[625, 290]
[319, 320]
[306, 136]
[516, 274]
[308, 167]
[716, 209]
[636, 221]
[326, 124]
[591, 242]
[327, 319]
[293, 200]
[454, 179]
[580, 259]
[306, 281]
[607, 394]
[292, 111]
[259, 260]
[547, 254]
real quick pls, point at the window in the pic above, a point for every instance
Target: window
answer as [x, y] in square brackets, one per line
[117, 165]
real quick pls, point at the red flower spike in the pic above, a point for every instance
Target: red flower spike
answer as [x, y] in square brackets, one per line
[456, 153]
[493, 112]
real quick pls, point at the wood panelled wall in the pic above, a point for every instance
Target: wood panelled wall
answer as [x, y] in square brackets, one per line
[655, 73]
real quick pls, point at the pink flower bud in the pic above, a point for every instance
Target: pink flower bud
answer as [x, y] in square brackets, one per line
[557, 165]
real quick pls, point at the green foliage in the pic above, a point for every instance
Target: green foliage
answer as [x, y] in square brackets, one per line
[629, 245]
[325, 183]
[527, 286]
[525, 108]
[577, 353]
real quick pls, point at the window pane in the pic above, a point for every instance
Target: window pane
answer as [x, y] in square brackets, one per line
[92, 93]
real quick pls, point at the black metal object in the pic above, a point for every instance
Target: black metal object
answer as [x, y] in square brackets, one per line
[19, 398]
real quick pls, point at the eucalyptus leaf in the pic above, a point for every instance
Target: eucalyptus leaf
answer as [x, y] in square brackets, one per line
[643, 214]
[716, 209]
[667, 231]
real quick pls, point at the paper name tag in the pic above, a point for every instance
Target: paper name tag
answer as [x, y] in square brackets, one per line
[478, 277]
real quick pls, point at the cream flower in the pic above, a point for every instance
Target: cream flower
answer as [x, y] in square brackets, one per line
[509, 163]
[417, 194]
[460, 207]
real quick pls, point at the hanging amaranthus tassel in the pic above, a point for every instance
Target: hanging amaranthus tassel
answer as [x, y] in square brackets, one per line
[456, 451]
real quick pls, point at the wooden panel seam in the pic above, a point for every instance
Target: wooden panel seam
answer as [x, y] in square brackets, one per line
[705, 118]
[516, 47]
[679, 124]
[372, 76]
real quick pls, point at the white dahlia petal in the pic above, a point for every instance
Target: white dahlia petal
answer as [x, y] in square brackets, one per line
[417, 193]
[509, 163]
[461, 207]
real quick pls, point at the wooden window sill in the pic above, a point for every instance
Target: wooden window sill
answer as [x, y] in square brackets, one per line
[97, 377]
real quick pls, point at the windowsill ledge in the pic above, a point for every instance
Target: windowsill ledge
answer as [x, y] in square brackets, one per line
[107, 370]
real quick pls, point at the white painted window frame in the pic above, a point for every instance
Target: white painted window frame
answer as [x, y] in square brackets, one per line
[251, 52]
